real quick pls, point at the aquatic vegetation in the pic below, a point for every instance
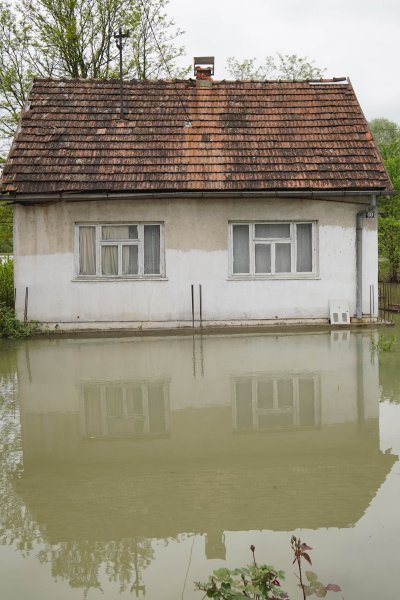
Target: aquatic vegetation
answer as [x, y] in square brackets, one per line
[264, 582]
[384, 344]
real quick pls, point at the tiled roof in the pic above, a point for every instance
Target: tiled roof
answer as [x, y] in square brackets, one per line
[243, 136]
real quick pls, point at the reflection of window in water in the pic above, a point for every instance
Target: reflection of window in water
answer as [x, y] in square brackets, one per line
[275, 402]
[124, 409]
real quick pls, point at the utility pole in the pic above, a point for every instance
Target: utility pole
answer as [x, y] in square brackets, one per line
[119, 37]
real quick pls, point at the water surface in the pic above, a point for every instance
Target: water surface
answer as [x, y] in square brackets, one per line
[133, 467]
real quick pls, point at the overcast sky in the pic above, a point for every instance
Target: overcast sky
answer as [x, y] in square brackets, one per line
[355, 38]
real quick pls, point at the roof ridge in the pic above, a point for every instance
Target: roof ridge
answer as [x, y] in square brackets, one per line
[97, 80]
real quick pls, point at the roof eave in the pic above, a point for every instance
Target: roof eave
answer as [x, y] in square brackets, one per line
[15, 197]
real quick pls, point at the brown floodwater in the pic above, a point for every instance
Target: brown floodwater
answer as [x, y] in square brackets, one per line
[133, 467]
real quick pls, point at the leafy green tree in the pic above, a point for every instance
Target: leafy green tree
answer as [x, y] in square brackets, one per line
[389, 244]
[152, 33]
[280, 66]
[387, 137]
[6, 228]
[74, 38]
[15, 72]
[385, 132]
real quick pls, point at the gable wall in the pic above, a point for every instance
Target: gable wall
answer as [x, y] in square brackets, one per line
[196, 251]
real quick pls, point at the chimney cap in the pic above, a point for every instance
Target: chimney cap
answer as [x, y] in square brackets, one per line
[204, 61]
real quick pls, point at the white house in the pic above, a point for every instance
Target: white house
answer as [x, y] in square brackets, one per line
[255, 193]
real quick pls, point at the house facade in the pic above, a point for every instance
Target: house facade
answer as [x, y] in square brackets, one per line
[225, 203]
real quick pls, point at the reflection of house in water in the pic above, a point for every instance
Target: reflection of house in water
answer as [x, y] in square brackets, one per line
[273, 402]
[129, 430]
[124, 408]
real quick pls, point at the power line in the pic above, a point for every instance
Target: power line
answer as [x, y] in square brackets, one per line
[188, 121]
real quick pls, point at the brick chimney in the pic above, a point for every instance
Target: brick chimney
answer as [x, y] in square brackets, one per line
[203, 67]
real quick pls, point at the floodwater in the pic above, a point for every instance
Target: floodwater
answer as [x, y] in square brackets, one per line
[133, 467]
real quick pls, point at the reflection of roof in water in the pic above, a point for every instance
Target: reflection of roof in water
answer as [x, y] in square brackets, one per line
[284, 480]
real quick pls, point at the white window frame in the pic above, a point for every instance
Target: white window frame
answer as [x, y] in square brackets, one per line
[294, 411]
[119, 243]
[293, 274]
[101, 388]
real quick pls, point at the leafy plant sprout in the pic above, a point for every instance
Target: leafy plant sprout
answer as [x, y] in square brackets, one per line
[264, 582]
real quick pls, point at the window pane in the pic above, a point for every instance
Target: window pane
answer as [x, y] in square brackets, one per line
[285, 393]
[134, 400]
[109, 260]
[157, 416]
[265, 395]
[152, 250]
[263, 258]
[120, 232]
[283, 262]
[91, 398]
[241, 254]
[304, 248]
[87, 251]
[114, 402]
[130, 262]
[273, 230]
[244, 407]
[306, 402]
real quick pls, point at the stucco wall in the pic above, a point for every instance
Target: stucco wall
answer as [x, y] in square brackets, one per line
[196, 251]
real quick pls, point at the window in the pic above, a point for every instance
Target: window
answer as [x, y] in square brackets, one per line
[272, 249]
[126, 250]
[275, 402]
[133, 408]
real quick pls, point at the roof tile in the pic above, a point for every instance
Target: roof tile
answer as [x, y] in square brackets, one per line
[243, 136]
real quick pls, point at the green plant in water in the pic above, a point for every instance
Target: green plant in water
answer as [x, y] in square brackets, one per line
[384, 344]
[314, 586]
[264, 582]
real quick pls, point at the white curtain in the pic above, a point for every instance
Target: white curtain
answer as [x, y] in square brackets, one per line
[130, 262]
[283, 258]
[152, 250]
[304, 247]
[119, 232]
[263, 258]
[87, 251]
[241, 254]
[109, 257]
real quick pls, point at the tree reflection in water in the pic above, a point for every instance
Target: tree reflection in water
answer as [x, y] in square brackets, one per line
[78, 562]
[16, 525]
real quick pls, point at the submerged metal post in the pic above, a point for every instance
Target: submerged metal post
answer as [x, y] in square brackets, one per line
[192, 289]
[194, 354]
[370, 302]
[373, 300]
[201, 305]
[26, 305]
